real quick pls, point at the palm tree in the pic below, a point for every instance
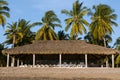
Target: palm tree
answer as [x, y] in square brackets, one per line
[49, 22]
[117, 44]
[13, 34]
[4, 12]
[62, 35]
[102, 21]
[18, 33]
[76, 21]
[90, 39]
[24, 28]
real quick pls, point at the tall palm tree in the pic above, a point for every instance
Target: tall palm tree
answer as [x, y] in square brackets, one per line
[18, 33]
[13, 34]
[102, 22]
[76, 20]
[4, 12]
[24, 28]
[49, 22]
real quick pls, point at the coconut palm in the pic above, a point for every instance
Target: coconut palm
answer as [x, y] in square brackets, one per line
[102, 22]
[18, 33]
[76, 20]
[4, 12]
[62, 35]
[90, 39]
[49, 22]
[24, 28]
[117, 44]
[13, 35]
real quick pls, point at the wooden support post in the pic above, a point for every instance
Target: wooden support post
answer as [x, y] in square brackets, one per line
[13, 62]
[113, 61]
[7, 60]
[86, 63]
[106, 61]
[60, 59]
[18, 62]
[21, 63]
[33, 60]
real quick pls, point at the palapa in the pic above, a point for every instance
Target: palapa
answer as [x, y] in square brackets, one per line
[60, 47]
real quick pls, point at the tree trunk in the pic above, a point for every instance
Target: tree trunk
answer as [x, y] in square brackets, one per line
[106, 55]
[104, 42]
[13, 41]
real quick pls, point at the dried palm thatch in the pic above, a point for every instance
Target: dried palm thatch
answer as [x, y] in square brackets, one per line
[60, 47]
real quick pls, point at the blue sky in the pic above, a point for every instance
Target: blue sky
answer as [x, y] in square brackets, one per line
[34, 10]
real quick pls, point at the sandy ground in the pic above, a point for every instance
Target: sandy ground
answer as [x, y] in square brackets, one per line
[59, 73]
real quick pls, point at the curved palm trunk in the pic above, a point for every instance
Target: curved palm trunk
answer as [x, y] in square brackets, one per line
[104, 42]
[106, 55]
[13, 41]
[13, 59]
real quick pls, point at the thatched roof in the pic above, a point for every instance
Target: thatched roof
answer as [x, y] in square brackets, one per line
[60, 46]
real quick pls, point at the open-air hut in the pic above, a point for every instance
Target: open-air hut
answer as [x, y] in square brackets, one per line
[60, 48]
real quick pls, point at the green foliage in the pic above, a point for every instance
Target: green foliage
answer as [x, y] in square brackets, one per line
[62, 35]
[117, 61]
[76, 19]
[90, 39]
[74, 38]
[2, 57]
[117, 44]
[4, 12]
[46, 33]
[102, 20]
[49, 22]
[13, 34]
[18, 33]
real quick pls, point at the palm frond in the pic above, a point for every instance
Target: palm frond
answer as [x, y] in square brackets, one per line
[2, 20]
[5, 8]
[54, 19]
[5, 13]
[35, 24]
[82, 21]
[55, 25]
[114, 23]
[83, 13]
[3, 2]
[66, 12]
